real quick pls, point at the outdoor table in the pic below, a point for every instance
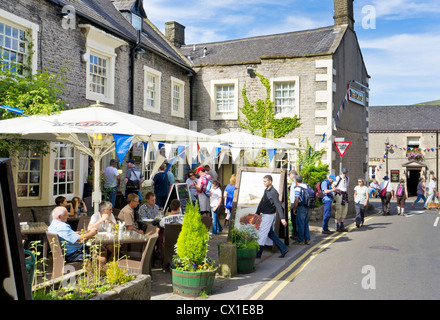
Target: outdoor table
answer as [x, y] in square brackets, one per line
[106, 238]
[35, 228]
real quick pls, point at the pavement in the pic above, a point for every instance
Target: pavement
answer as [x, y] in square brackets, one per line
[238, 287]
[244, 286]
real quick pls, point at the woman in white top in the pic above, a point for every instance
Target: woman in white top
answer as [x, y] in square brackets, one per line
[103, 221]
[361, 197]
[432, 192]
[215, 201]
[386, 199]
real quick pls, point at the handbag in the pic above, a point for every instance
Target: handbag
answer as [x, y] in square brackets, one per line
[383, 192]
[133, 184]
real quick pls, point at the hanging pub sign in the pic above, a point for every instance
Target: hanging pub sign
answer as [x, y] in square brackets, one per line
[356, 96]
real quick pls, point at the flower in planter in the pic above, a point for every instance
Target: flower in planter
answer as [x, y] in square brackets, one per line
[414, 155]
[245, 237]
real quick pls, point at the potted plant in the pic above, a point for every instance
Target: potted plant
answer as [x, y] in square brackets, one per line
[245, 238]
[192, 272]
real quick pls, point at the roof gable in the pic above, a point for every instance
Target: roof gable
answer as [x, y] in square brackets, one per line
[108, 17]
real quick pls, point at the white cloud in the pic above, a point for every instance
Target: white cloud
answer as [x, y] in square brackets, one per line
[404, 68]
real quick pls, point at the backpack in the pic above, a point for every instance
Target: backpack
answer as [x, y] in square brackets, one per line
[308, 197]
[318, 191]
[400, 190]
[208, 186]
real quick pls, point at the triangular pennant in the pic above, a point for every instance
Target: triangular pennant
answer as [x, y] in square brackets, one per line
[122, 145]
[271, 153]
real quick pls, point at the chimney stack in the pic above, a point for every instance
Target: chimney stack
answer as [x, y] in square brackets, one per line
[344, 13]
[175, 33]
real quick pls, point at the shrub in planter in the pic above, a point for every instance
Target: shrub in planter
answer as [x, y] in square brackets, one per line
[193, 273]
[245, 238]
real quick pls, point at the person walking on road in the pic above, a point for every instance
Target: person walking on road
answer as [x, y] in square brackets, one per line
[268, 207]
[421, 192]
[389, 194]
[432, 192]
[341, 200]
[301, 212]
[327, 189]
[361, 197]
[401, 196]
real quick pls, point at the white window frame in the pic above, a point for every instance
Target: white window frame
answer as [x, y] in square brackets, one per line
[214, 115]
[28, 157]
[69, 169]
[31, 29]
[294, 79]
[158, 76]
[181, 84]
[103, 45]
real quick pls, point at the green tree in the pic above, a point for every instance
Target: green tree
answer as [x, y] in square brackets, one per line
[34, 94]
[310, 164]
[261, 115]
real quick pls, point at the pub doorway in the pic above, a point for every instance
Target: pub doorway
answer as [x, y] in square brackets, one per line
[413, 181]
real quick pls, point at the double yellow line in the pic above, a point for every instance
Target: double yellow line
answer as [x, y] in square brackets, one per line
[311, 254]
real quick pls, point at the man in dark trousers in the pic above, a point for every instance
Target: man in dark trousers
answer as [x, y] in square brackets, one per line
[268, 207]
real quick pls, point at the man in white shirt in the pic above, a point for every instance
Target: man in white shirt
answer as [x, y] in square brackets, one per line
[432, 192]
[341, 200]
[388, 195]
[111, 181]
[175, 217]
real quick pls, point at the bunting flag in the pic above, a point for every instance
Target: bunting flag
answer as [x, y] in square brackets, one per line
[122, 145]
[173, 160]
[271, 153]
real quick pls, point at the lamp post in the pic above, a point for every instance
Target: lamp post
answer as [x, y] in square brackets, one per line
[387, 149]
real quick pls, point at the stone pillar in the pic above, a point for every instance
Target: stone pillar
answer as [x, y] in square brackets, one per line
[227, 262]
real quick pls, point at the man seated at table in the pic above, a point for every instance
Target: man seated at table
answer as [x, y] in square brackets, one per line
[175, 217]
[127, 213]
[149, 210]
[73, 241]
[104, 220]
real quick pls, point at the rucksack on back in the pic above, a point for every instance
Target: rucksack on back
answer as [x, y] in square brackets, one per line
[400, 190]
[318, 191]
[208, 186]
[308, 197]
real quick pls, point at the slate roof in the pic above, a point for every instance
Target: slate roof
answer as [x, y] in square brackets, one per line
[404, 118]
[292, 44]
[104, 13]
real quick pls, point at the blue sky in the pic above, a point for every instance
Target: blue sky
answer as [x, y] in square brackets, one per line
[401, 52]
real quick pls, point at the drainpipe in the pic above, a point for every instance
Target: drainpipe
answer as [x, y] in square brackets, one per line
[132, 62]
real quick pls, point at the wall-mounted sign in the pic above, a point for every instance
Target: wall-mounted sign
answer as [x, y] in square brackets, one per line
[356, 96]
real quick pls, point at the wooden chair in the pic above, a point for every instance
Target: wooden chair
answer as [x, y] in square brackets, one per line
[88, 202]
[58, 262]
[171, 233]
[116, 212]
[207, 221]
[144, 265]
[83, 223]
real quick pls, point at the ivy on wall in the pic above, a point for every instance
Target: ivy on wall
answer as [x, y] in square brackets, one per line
[261, 115]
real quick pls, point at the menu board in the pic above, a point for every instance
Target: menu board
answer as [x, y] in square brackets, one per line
[178, 191]
[248, 194]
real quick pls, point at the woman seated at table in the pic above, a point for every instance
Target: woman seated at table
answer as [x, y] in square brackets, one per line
[79, 207]
[61, 201]
[104, 220]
